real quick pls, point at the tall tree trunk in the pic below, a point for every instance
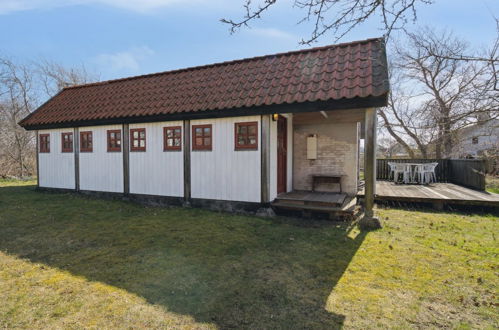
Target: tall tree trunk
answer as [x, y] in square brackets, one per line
[438, 143]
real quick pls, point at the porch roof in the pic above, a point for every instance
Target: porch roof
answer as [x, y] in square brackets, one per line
[348, 75]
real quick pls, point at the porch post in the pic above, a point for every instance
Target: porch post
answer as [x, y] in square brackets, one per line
[125, 146]
[187, 161]
[369, 221]
[76, 146]
[37, 160]
[265, 159]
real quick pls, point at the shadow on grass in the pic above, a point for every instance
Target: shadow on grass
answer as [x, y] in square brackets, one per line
[228, 270]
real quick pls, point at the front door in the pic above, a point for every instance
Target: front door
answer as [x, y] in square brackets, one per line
[282, 151]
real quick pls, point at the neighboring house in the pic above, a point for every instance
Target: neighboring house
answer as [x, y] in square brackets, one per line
[477, 141]
[393, 150]
[233, 132]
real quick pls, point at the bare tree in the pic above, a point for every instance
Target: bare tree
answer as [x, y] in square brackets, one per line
[23, 87]
[454, 92]
[436, 91]
[54, 77]
[338, 17]
[16, 85]
[400, 119]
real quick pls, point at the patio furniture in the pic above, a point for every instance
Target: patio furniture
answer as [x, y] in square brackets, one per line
[397, 171]
[418, 173]
[407, 177]
[428, 173]
[413, 172]
[402, 169]
[392, 169]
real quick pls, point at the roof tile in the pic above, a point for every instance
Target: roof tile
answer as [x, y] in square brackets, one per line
[349, 70]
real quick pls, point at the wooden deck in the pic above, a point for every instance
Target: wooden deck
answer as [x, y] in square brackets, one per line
[438, 194]
[335, 205]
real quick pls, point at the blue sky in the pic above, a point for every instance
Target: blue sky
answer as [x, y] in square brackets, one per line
[118, 38]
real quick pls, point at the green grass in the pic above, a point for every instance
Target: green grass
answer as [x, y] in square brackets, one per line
[492, 184]
[68, 261]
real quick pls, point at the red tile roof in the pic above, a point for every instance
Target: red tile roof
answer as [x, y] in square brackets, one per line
[336, 72]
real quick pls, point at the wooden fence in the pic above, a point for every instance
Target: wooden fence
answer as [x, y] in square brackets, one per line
[468, 172]
[465, 172]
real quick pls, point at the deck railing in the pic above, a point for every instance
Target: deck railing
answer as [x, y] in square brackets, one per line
[465, 172]
[468, 173]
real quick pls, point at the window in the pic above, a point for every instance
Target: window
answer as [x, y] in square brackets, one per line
[86, 143]
[172, 138]
[138, 139]
[201, 137]
[44, 142]
[474, 140]
[67, 142]
[246, 136]
[113, 140]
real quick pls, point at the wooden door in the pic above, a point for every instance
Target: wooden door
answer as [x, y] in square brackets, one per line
[282, 152]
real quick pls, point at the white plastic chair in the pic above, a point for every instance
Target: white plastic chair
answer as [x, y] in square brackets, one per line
[429, 175]
[407, 169]
[392, 170]
[399, 169]
[418, 174]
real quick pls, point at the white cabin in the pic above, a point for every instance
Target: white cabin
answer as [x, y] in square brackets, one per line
[158, 137]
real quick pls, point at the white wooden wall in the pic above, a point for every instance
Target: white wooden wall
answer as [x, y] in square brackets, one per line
[56, 169]
[157, 172]
[223, 173]
[101, 170]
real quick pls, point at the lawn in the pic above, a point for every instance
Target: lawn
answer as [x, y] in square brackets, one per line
[68, 261]
[492, 183]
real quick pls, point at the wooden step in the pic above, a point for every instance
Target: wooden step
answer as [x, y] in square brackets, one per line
[308, 203]
[326, 209]
[312, 199]
[307, 211]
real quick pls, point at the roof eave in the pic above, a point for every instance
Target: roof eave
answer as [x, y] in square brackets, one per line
[352, 103]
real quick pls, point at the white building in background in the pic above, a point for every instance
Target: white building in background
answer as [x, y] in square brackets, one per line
[477, 141]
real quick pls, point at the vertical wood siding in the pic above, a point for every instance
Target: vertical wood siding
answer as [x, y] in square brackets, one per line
[56, 169]
[101, 170]
[154, 171]
[273, 160]
[223, 173]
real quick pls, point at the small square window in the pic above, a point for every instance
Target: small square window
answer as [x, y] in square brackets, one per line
[114, 140]
[44, 142]
[474, 140]
[172, 138]
[202, 137]
[67, 142]
[246, 136]
[138, 139]
[86, 142]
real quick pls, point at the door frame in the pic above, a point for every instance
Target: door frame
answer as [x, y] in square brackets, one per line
[282, 154]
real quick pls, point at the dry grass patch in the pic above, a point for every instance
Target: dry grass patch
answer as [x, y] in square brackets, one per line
[38, 296]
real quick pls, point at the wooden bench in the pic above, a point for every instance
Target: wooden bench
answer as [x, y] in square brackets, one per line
[323, 178]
